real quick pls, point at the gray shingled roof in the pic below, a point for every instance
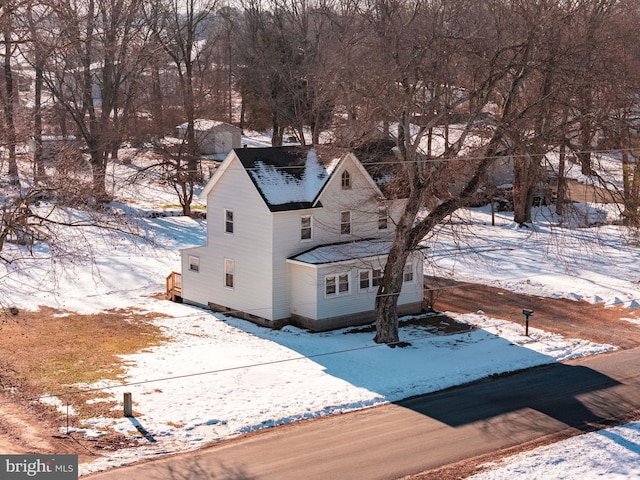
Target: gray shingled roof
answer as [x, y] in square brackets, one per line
[288, 178]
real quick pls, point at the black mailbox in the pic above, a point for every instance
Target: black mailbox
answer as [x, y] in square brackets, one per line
[527, 314]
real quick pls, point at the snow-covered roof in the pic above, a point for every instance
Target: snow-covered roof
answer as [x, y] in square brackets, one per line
[288, 178]
[59, 138]
[342, 252]
[202, 124]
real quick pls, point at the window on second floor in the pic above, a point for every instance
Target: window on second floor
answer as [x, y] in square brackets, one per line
[346, 180]
[383, 218]
[228, 221]
[305, 227]
[407, 275]
[345, 223]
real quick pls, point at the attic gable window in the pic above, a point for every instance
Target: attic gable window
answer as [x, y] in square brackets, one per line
[346, 180]
[305, 227]
[228, 221]
[345, 223]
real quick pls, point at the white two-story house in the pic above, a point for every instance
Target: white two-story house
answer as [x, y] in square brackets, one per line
[296, 235]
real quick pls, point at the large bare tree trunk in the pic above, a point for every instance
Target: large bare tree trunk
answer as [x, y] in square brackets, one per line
[386, 305]
[561, 198]
[9, 100]
[526, 176]
[39, 172]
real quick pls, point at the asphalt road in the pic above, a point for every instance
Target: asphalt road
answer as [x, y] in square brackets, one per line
[424, 432]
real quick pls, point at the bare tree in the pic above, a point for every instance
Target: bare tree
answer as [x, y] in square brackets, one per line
[10, 39]
[591, 55]
[420, 65]
[95, 50]
[178, 29]
[283, 57]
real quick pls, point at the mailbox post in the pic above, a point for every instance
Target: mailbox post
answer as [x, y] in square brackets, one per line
[128, 405]
[527, 314]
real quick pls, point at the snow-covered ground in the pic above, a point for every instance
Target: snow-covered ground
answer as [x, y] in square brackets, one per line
[219, 376]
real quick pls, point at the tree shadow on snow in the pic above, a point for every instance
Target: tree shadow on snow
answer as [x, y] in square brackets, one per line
[576, 396]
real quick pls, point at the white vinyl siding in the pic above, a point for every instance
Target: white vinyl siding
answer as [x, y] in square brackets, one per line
[253, 276]
[265, 284]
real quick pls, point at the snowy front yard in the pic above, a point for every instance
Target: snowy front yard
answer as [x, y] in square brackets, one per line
[219, 376]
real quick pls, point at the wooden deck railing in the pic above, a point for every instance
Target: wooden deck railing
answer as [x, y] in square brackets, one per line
[174, 286]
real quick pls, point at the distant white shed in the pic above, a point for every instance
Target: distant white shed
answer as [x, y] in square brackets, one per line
[213, 137]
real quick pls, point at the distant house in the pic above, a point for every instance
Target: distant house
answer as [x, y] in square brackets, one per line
[213, 137]
[296, 235]
[55, 145]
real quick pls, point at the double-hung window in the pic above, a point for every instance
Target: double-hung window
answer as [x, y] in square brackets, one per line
[346, 180]
[228, 221]
[383, 218]
[345, 223]
[194, 263]
[343, 283]
[370, 278]
[365, 279]
[229, 272]
[376, 278]
[337, 284]
[407, 274]
[305, 227]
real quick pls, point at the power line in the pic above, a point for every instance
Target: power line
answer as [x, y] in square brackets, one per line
[223, 370]
[273, 362]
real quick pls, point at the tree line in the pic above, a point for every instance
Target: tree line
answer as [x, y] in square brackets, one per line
[457, 85]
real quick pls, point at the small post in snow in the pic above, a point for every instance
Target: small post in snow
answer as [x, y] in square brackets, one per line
[527, 314]
[493, 212]
[128, 406]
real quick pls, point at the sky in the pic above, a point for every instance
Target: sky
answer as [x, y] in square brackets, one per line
[218, 376]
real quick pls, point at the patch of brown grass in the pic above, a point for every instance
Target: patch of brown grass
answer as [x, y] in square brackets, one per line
[50, 352]
[433, 322]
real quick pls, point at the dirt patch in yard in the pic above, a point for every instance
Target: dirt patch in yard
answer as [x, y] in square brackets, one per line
[45, 355]
[570, 318]
[433, 322]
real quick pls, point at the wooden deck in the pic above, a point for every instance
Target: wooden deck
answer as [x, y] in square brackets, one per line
[174, 287]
